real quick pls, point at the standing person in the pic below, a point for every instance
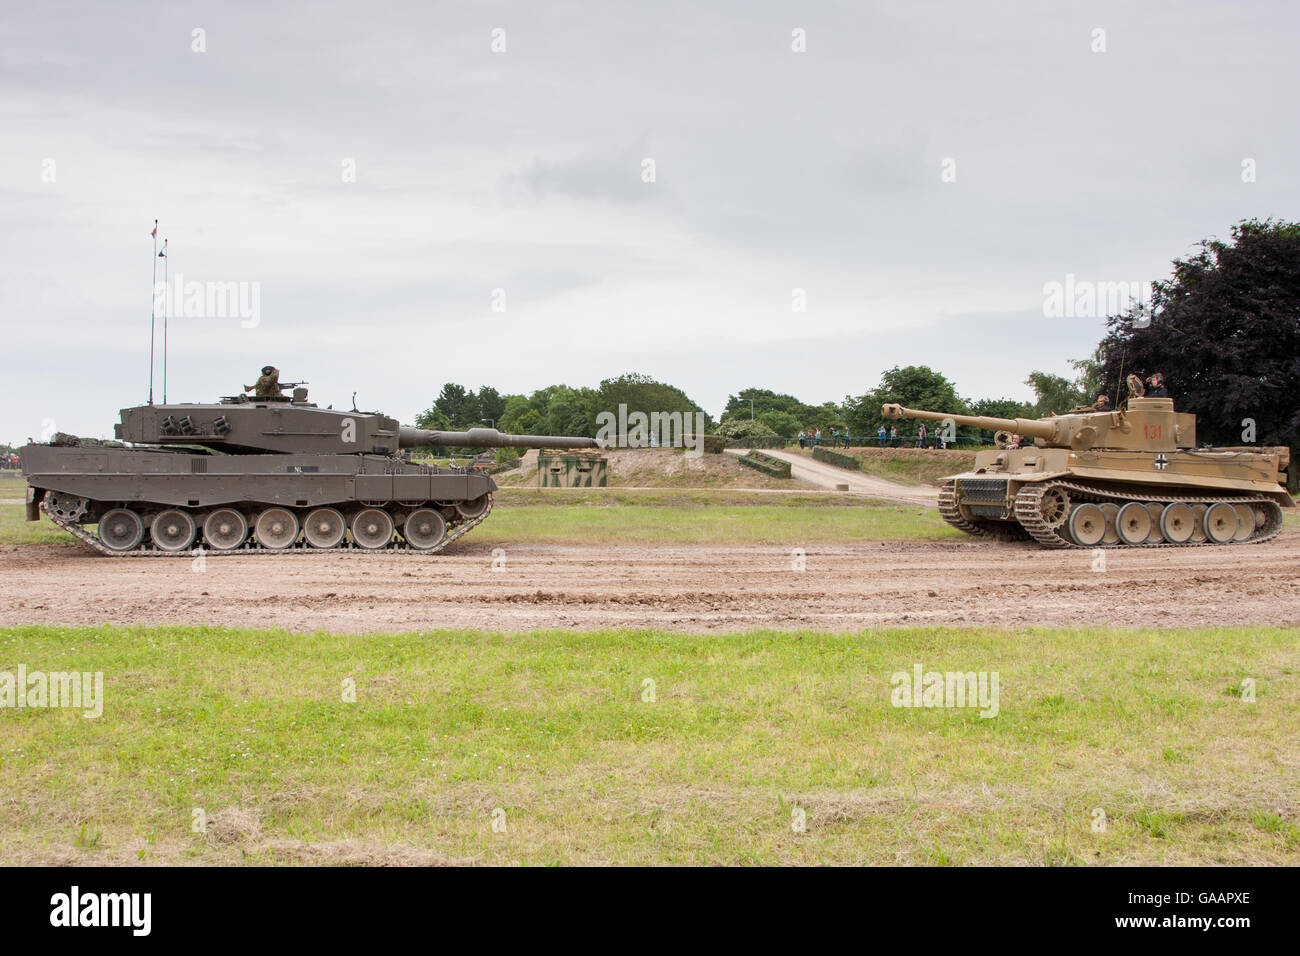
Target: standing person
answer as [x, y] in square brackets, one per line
[817, 438]
[846, 436]
[803, 441]
[1157, 386]
[922, 436]
[893, 435]
[880, 435]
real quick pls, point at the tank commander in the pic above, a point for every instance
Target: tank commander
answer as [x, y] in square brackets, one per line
[268, 386]
[1156, 383]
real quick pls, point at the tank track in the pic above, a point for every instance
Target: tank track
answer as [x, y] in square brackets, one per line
[1029, 514]
[949, 511]
[250, 547]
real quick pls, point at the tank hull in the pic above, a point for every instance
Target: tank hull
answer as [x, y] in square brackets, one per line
[77, 485]
[1041, 493]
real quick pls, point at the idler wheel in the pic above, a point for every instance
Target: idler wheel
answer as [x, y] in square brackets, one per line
[1088, 525]
[276, 528]
[372, 528]
[121, 529]
[1133, 524]
[225, 529]
[424, 529]
[1245, 522]
[173, 530]
[1221, 523]
[472, 508]
[1178, 522]
[324, 528]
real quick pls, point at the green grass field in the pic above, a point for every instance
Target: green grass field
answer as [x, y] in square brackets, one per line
[559, 739]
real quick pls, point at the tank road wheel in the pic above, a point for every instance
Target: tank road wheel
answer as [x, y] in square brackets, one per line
[225, 529]
[1178, 522]
[372, 528]
[424, 529]
[1054, 507]
[1221, 523]
[1133, 524]
[121, 529]
[1245, 522]
[1087, 525]
[1155, 510]
[324, 528]
[1198, 529]
[474, 507]
[1111, 511]
[173, 530]
[276, 528]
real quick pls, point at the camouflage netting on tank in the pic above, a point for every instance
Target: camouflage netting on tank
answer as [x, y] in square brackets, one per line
[572, 471]
[768, 465]
[836, 458]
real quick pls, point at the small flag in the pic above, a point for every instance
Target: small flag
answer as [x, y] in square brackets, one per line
[163, 253]
[155, 229]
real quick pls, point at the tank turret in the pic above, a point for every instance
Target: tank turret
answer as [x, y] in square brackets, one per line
[263, 475]
[1126, 477]
[239, 425]
[1149, 424]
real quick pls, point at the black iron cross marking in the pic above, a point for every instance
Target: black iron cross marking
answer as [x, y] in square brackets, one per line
[1161, 462]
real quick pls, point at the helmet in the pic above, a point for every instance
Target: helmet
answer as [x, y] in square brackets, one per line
[268, 369]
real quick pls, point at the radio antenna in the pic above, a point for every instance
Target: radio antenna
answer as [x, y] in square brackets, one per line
[153, 306]
[166, 295]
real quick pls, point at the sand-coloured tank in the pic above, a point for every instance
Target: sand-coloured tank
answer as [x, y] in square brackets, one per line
[263, 476]
[1122, 478]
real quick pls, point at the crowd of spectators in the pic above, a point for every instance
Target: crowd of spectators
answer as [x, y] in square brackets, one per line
[884, 438]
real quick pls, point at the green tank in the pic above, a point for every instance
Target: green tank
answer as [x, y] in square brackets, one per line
[1121, 478]
[267, 475]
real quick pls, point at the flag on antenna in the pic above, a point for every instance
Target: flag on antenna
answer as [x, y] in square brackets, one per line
[155, 229]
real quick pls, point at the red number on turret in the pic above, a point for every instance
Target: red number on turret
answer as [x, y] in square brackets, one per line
[1152, 431]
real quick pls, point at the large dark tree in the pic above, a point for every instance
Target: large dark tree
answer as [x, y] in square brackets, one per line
[1225, 331]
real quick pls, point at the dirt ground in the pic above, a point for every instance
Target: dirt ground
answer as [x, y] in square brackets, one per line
[691, 588]
[821, 475]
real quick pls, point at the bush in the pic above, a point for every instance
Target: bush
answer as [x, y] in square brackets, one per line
[744, 428]
[714, 444]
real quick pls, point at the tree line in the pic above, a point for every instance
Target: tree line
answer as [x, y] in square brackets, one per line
[1224, 329]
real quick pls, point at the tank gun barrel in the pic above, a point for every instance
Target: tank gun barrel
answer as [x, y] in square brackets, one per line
[1029, 427]
[488, 438]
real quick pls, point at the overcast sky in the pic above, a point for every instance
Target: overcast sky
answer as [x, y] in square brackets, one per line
[524, 171]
